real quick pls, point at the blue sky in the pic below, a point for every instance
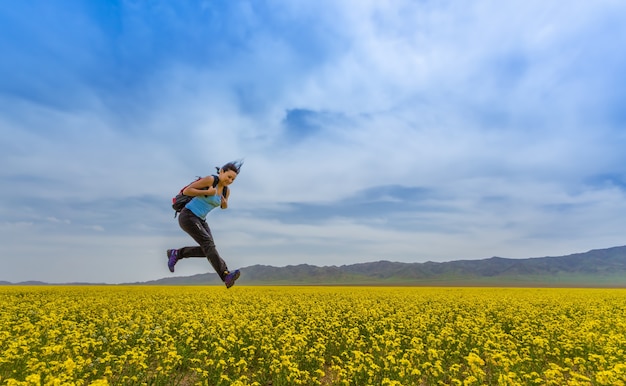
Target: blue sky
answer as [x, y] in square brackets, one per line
[402, 130]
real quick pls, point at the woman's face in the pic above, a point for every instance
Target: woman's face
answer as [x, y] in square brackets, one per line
[227, 177]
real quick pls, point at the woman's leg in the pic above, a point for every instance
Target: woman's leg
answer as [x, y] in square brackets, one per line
[199, 230]
[185, 252]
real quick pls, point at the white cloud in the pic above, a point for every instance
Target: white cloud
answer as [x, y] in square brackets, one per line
[97, 228]
[58, 221]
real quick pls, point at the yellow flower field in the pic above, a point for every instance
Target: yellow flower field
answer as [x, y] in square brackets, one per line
[140, 335]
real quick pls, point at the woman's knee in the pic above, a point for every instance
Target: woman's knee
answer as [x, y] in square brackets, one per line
[208, 246]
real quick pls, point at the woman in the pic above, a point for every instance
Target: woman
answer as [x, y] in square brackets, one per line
[207, 195]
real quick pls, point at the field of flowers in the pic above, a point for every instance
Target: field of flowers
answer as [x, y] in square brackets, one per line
[136, 335]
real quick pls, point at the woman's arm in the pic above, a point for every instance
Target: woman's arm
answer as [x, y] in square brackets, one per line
[224, 204]
[199, 188]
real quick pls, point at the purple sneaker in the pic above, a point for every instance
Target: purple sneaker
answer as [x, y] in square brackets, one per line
[229, 279]
[172, 258]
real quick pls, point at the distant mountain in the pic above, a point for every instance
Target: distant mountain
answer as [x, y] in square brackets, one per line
[596, 268]
[32, 282]
[202, 278]
[35, 283]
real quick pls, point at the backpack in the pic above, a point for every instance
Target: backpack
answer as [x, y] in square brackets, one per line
[179, 202]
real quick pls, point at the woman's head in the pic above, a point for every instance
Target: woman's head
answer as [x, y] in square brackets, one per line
[229, 172]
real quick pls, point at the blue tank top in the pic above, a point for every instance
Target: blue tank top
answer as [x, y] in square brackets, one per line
[202, 205]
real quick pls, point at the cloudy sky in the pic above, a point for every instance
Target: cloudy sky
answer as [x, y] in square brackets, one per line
[408, 130]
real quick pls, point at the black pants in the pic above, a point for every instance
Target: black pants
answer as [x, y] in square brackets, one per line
[199, 230]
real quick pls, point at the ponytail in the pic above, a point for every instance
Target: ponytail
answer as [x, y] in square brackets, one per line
[234, 166]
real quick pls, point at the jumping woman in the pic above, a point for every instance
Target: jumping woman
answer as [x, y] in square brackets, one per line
[207, 195]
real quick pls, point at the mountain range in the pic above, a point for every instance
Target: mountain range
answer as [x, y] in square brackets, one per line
[595, 268]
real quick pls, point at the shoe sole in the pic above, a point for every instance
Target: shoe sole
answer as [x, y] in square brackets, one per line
[167, 253]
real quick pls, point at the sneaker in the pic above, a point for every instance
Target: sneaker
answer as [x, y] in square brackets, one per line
[230, 278]
[172, 258]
